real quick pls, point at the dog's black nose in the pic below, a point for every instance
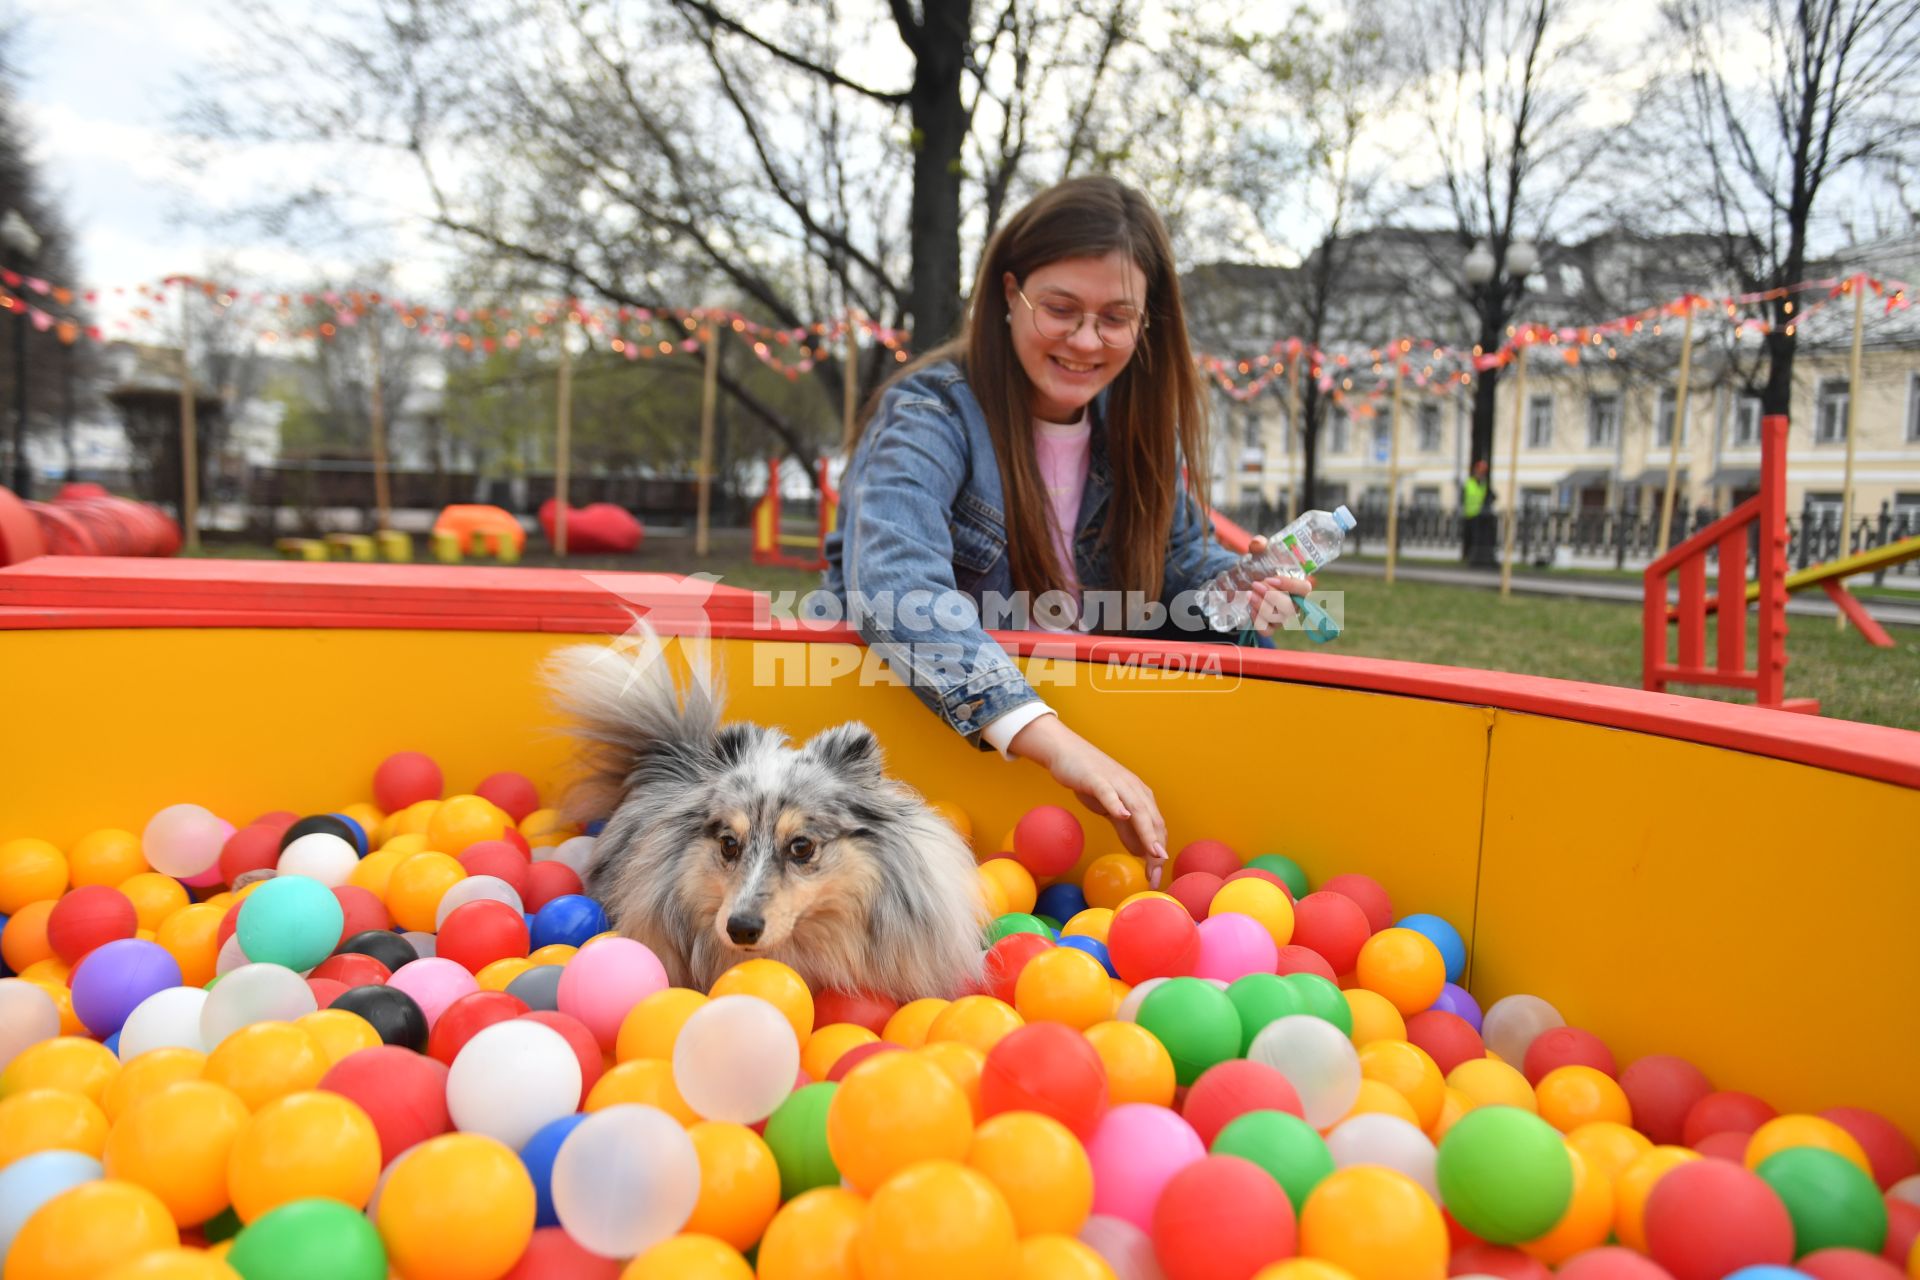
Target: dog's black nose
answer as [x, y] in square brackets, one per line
[745, 929]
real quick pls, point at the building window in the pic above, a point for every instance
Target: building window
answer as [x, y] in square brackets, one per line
[1540, 422]
[1913, 408]
[1429, 427]
[1664, 413]
[1906, 515]
[1536, 499]
[1382, 441]
[1337, 425]
[1426, 497]
[1746, 421]
[1823, 507]
[1830, 411]
[1603, 421]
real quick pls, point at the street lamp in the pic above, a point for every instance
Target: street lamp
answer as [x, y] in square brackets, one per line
[1494, 291]
[23, 245]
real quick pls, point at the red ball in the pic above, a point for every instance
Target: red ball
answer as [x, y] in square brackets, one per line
[1889, 1151]
[278, 819]
[1295, 958]
[1448, 1038]
[254, 848]
[1210, 856]
[549, 880]
[1710, 1218]
[552, 1254]
[1334, 925]
[1903, 1230]
[1228, 1090]
[88, 917]
[1728, 1111]
[1611, 1263]
[512, 793]
[404, 778]
[1221, 1218]
[1496, 1260]
[498, 858]
[1661, 1089]
[1848, 1264]
[1153, 938]
[860, 1008]
[1368, 894]
[325, 991]
[518, 841]
[467, 1017]
[476, 934]
[857, 1055]
[1565, 1047]
[1725, 1145]
[1048, 841]
[1046, 1067]
[578, 1037]
[1260, 873]
[228, 923]
[352, 968]
[1195, 890]
[361, 910]
[1007, 957]
[404, 1093]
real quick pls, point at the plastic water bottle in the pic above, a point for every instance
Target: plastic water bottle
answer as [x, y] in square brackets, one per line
[1303, 548]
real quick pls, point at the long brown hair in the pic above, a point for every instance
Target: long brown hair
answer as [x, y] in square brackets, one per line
[1156, 415]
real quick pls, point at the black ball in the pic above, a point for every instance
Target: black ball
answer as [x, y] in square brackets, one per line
[328, 824]
[538, 987]
[392, 1012]
[389, 948]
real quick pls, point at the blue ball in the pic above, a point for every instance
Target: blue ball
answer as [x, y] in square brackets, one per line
[571, 918]
[1061, 901]
[1767, 1271]
[112, 1044]
[358, 832]
[1453, 949]
[6, 970]
[538, 1155]
[31, 1181]
[595, 827]
[1093, 947]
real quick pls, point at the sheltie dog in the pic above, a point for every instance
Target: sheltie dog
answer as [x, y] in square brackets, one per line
[723, 842]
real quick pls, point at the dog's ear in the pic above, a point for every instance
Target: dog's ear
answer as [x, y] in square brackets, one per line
[849, 750]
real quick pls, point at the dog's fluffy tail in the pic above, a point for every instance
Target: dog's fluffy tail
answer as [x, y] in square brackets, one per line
[630, 717]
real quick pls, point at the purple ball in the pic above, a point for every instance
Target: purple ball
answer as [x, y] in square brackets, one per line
[1455, 1000]
[114, 978]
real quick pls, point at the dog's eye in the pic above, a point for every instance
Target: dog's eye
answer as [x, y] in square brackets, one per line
[800, 848]
[729, 845]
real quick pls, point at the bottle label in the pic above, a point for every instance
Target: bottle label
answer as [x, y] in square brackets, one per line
[1303, 549]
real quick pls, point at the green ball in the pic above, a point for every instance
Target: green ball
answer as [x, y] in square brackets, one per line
[1832, 1201]
[797, 1134]
[310, 1240]
[1287, 869]
[1284, 1145]
[1195, 1021]
[1504, 1174]
[1260, 998]
[1013, 922]
[1321, 999]
[290, 920]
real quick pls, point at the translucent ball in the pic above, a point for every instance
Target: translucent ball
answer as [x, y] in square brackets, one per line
[576, 853]
[475, 889]
[184, 840]
[1510, 1025]
[625, 1179]
[166, 1019]
[319, 855]
[253, 993]
[1125, 1247]
[1130, 1006]
[232, 955]
[1317, 1059]
[511, 1079]
[1387, 1141]
[28, 1015]
[736, 1059]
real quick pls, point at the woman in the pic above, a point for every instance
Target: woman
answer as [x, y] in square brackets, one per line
[1039, 459]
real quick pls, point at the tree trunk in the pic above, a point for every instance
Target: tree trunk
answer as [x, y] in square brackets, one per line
[939, 129]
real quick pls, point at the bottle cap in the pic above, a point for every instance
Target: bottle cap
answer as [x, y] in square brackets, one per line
[1343, 518]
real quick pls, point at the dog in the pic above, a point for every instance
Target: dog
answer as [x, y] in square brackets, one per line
[724, 842]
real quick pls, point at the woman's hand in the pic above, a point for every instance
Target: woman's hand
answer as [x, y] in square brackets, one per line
[1272, 598]
[1103, 784]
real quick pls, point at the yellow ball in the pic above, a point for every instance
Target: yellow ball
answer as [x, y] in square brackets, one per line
[69, 1063]
[456, 1207]
[1302, 1269]
[338, 1032]
[30, 871]
[107, 856]
[1143, 895]
[1587, 1220]
[416, 886]
[891, 1111]
[155, 897]
[545, 826]
[909, 1023]
[557, 953]
[1455, 1105]
[980, 1021]
[992, 895]
[1407, 1070]
[1139, 1068]
[1093, 923]
[1015, 882]
[1112, 879]
[1404, 966]
[266, 1060]
[1491, 1083]
[1264, 901]
[413, 842]
[499, 975]
[1792, 1130]
[1377, 1224]
[775, 983]
[688, 1257]
[191, 936]
[825, 1046]
[36, 1120]
[651, 1027]
[174, 1264]
[1066, 985]
[963, 1064]
[1376, 1098]
[368, 816]
[739, 1183]
[62, 997]
[647, 1081]
[176, 1143]
[811, 1237]
[1574, 1095]
[1060, 1258]
[148, 1074]
[374, 873]
[415, 818]
[1041, 1169]
[86, 1231]
[1609, 1146]
[1374, 1017]
[464, 820]
[937, 1220]
[1635, 1184]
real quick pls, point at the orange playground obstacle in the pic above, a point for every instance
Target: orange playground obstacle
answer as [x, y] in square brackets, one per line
[1831, 578]
[770, 540]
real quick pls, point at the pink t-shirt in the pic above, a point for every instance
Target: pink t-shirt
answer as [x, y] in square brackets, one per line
[1063, 451]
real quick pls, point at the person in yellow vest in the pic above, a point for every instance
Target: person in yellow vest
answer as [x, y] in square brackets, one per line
[1476, 509]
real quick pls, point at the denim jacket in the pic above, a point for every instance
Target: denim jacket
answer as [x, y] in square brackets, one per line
[921, 543]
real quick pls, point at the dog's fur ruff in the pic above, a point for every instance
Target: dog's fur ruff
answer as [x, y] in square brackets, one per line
[888, 901]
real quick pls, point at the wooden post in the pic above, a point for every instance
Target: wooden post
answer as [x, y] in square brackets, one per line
[189, 433]
[1679, 430]
[850, 380]
[1296, 438]
[1513, 469]
[1853, 425]
[378, 419]
[1393, 475]
[711, 338]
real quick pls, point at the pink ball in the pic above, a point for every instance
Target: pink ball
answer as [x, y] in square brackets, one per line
[1294, 958]
[1233, 946]
[434, 983]
[1135, 1152]
[1565, 1047]
[1368, 894]
[1210, 856]
[601, 983]
[1611, 1263]
[211, 876]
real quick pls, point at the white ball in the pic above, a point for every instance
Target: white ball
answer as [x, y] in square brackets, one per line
[253, 993]
[422, 943]
[165, 1019]
[320, 856]
[1130, 1006]
[232, 956]
[184, 839]
[475, 889]
[1908, 1189]
[577, 853]
[736, 1059]
[1513, 1023]
[512, 1078]
[1318, 1061]
[1126, 1248]
[626, 1178]
[1389, 1142]
[28, 1015]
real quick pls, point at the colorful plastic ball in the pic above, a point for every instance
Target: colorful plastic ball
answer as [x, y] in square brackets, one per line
[154, 897]
[1221, 1218]
[1612, 1263]
[88, 1230]
[645, 1082]
[169, 1018]
[537, 985]
[434, 983]
[326, 824]
[416, 886]
[266, 1060]
[1135, 1152]
[538, 1154]
[1112, 878]
[1007, 958]
[35, 1120]
[467, 1017]
[1445, 1037]
[1455, 1000]
[736, 1058]
[1063, 984]
[1511, 1025]
[1574, 1095]
[1635, 1184]
[1153, 938]
[1260, 998]
[511, 793]
[1588, 1218]
[691, 1256]
[1832, 1201]
[1039, 1166]
[249, 849]
[1264, 902]
[1847, 1264]
[360, 910]
[1294, 958]
[860, 1053]
[456, 1207]
[105, 856]
[510, 1079]
[1504, 1174]
[1289, 872]
[338, 1032]
[1062, 901]
[1404, 966]
[1566, 1046]
[115, 979]
[1015, 922]
[1495, 1262]
[1010, 886]
[1047, 840]
[1317, 1059]
[1047, 1068]
[1332, 925]
[1233, 946]
[938, 1220]
[311, 1144]
[1093, 947]
[978, 1020]
[1055, 1257]
[320, 856]
[796, 1134]
[1786, 1132]
[183, 840]
[177, 1144]
[1725, 1111]
[250, 994]
[1408, 1071]
[1125, 1248]
[89, 917]
[351, 968]
[1377, 1224]
[498, 860]
[389, 948]
[1207, 857]
[1196, 1021]
[739, 1184]
[476, 934]
[626, 1178]
[31, 870]
[1661, 1089]
[472, 889]
[462, 820]
[1291, 1151]
[406, 778]
[812, 1236]
[30, 1181]
[1094, 922]
[394, 1014]
[1445, 938]
[310, 1239]
[652, 1025]
[893, 1110]
[1194, 890]
[1138, 1066]
[1891, 1155]
[603, 982]
[548, 880]
[1708, 1218]
[777, 984]
[1230, 1090]
[291, 920]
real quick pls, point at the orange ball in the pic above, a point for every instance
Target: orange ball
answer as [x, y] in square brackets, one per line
[1016, 884]
[811, 1237]
[1405, 967]
[266, 1060]
[30, 871]
[1113, 878]
[155, 897]
[1793, 1130]
[1377, 1223]
[775, 983]
[416, 886]
[375, 871]
[1065, 985]
[739, 1184]
[980, 1021]
[463, 820]
[89, 1230]
[956, 817]
[1374, 1017]
[107, 856]
[35, 1120]
[647, 1081]
[70, 1063]
[825, 1046]
[1609, 1146]
[24, 940]
[176, 1144]
[690, 1256]
[1410, 1072]
[651, 1027]
[1376, 1098]
[191, 936]
[1094, 922]
[963, 1064]
[1060, 1258]
[937, 1220]
[910, 1022]
[1139, 1068]
[148, 1074]
[1587, 1220]
[1040, 1167]
[456, 1207]
[1635, 1184]
[1575, 1095]
[894, 1110]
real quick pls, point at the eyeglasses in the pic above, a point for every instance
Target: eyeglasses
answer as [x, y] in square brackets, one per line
[1058, 321]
